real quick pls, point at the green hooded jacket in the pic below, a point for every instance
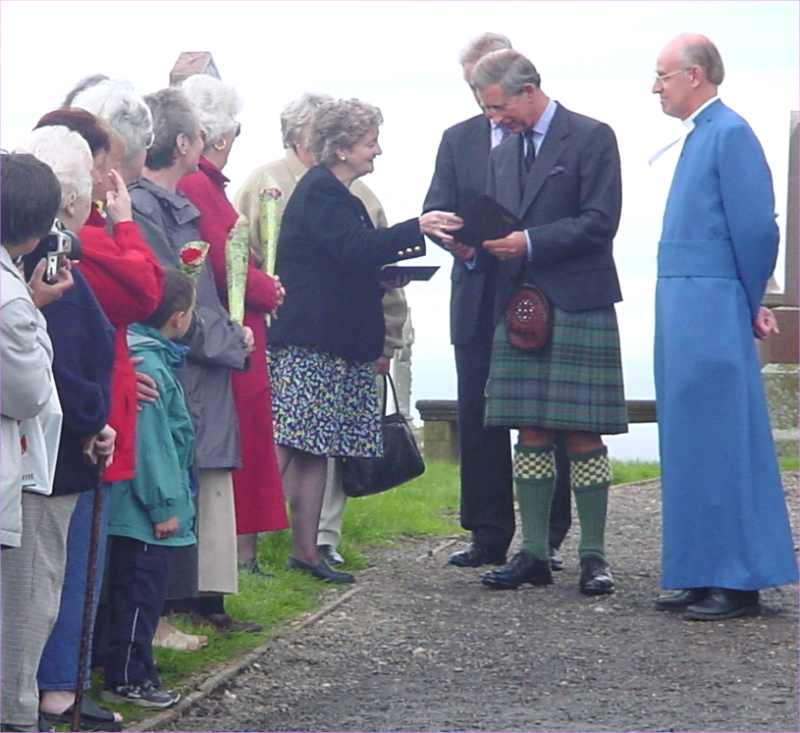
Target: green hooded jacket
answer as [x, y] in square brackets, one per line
[164, 451]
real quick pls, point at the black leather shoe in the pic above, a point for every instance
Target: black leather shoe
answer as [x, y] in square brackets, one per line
[321, 571]
[596, 578]
[225, 624]
[476, 555]
[556, 561]
[678, 600]
[722, 603]
[522, 568]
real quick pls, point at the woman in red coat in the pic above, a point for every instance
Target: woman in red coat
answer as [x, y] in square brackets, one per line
[126, 278]
[257, 484]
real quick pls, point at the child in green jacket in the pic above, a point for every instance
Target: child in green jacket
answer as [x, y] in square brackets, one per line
[154, 512]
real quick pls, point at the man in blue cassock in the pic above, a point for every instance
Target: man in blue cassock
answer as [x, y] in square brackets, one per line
[726, 531]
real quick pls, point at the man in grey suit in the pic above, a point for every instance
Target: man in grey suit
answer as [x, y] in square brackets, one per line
[487, 501]
[560, 174]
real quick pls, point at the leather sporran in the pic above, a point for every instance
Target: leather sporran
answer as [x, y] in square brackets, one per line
[529, 319]
[401, 460]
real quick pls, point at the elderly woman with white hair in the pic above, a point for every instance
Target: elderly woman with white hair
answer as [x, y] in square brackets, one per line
[83, 355]
[279, 179]
[217, 345]
[116, 102]
[126, 279]
[258, 496]
[331, 330]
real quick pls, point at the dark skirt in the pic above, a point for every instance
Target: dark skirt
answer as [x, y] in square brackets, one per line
[573, 384]
[324, 404]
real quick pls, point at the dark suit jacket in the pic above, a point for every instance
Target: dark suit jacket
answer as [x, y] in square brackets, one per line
[328, 258]
[459, 177]
[570, 207]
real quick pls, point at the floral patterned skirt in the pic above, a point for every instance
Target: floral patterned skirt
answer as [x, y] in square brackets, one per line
[324, 404]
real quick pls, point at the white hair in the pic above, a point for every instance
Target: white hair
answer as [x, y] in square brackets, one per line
[217, 105]
[296, 118]
[115, 101]
[478, 47]
[68, 156]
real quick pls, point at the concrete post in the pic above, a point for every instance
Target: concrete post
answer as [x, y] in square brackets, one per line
[780, 353]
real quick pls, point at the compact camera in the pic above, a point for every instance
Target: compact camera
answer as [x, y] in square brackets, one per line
[59, 244]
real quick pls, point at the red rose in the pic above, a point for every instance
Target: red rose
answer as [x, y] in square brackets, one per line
[190, 255]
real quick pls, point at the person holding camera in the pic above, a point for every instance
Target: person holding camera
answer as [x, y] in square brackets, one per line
[30, 201]
[82, 359]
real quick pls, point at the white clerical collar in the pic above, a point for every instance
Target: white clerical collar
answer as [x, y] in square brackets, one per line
[689, 125]
[689, 121]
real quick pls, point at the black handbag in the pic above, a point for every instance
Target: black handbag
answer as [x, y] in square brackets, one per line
[401, 460]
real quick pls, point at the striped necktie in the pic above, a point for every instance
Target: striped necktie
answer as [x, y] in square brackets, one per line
[530, 150]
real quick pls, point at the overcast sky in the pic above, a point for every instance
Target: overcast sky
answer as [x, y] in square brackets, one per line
[596, 58]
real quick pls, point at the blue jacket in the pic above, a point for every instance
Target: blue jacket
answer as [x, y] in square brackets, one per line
[720, 214]
[164, 450]
[83, 356]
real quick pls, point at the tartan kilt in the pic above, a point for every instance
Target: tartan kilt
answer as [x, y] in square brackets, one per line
[573, 384]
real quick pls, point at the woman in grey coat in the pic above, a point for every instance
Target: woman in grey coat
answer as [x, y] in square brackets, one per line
[216, 345]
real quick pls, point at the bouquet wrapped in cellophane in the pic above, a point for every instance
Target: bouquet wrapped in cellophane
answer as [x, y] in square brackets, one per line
[237, 253]
[268, 225]
[193, 257]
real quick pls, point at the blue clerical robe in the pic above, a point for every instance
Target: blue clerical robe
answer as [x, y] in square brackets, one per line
[724, 514]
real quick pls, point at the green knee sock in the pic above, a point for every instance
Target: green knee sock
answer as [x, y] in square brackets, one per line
[590, 477]
[534, 479]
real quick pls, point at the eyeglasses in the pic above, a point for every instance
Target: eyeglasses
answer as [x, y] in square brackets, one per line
[151, 138]
[238, 129]
[661, 78]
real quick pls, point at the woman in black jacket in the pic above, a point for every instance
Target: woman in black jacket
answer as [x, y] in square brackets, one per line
[330, 330]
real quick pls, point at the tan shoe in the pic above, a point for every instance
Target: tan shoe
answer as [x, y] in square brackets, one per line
[168, 636]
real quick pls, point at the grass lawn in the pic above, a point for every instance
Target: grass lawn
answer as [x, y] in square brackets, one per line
[426, 506]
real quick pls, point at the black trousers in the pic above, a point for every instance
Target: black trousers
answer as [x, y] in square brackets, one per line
[137, 584]
[487, 486]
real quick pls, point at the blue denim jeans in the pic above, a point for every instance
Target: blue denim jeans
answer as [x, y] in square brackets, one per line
[58, 668]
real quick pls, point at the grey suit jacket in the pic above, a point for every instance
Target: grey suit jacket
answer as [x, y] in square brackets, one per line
[570, 206]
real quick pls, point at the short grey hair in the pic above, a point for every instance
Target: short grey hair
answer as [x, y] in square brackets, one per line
[296, 118]
[115, 101]
[340, 124]
[173, 115]
[68, 156]
[478, 47]
[217, 105]
[704, 53]
[508, 68]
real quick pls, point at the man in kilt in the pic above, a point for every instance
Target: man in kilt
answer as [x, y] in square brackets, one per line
[487, 491]
[560, 174]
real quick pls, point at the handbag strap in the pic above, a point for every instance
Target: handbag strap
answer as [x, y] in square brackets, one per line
[389, 382]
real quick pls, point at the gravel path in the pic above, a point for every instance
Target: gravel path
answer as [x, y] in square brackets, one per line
[422, 646]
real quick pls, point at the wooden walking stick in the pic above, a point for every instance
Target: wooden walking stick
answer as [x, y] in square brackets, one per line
[88, 604]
